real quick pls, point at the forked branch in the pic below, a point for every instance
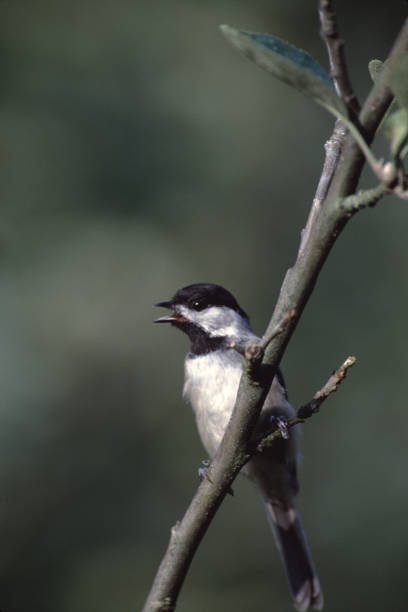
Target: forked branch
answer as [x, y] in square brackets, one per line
[326, 221]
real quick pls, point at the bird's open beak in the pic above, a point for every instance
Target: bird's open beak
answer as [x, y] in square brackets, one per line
[174, 317]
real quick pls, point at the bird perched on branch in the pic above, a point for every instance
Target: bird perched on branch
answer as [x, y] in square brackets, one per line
[215, 323]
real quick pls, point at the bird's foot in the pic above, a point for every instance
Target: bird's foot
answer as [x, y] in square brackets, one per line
[203, 472]
[280, 423]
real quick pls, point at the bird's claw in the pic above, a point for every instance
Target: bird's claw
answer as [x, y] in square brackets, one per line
[281, 423]
[203, 472]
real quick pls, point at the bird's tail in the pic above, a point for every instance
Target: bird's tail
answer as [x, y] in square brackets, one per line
[303, 581]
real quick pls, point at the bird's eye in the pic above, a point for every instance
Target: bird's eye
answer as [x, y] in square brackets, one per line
[198, 304]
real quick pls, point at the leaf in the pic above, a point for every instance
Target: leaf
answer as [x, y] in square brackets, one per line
[398, 78]
[289, 64]
[396, 130]
[375, 67]
[300, 70]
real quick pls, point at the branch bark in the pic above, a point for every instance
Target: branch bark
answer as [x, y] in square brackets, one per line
[327, 219]
[335, 49]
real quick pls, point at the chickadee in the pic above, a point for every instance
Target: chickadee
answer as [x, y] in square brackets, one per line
[214, 322]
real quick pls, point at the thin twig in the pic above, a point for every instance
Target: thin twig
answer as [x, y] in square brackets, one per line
[308, 410]
[335, 48]
[279, 328]
[363, 199]
[254, 353]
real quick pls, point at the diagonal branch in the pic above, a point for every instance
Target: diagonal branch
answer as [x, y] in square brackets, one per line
[328, 222]
[308, 410]
[331, 386]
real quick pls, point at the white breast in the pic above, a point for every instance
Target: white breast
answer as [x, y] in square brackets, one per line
[211, 385]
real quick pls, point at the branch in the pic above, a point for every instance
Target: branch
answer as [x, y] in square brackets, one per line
[328, 220]
[280, 327]
[331, 386]
[362, 199]
[308, 410]
[335, 49]
[254, 352]
[333, 150]
[387, 173]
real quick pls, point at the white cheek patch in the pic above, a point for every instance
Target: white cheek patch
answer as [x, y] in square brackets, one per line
[217, 321]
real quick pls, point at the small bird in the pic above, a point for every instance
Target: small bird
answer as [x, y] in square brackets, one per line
[215, 323]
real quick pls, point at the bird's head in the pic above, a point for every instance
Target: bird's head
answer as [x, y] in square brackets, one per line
[209, 315]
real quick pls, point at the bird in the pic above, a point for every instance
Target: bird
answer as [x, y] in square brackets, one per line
[215, 324]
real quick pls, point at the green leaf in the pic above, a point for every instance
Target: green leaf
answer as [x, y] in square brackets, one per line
[398, 78]
[375, 67]
[396, 130]
[289, 64]
[299, 69]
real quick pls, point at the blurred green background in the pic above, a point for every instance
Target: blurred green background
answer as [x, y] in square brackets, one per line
[140, 153]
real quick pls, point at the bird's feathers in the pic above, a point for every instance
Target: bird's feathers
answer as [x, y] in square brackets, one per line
[215, 323]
